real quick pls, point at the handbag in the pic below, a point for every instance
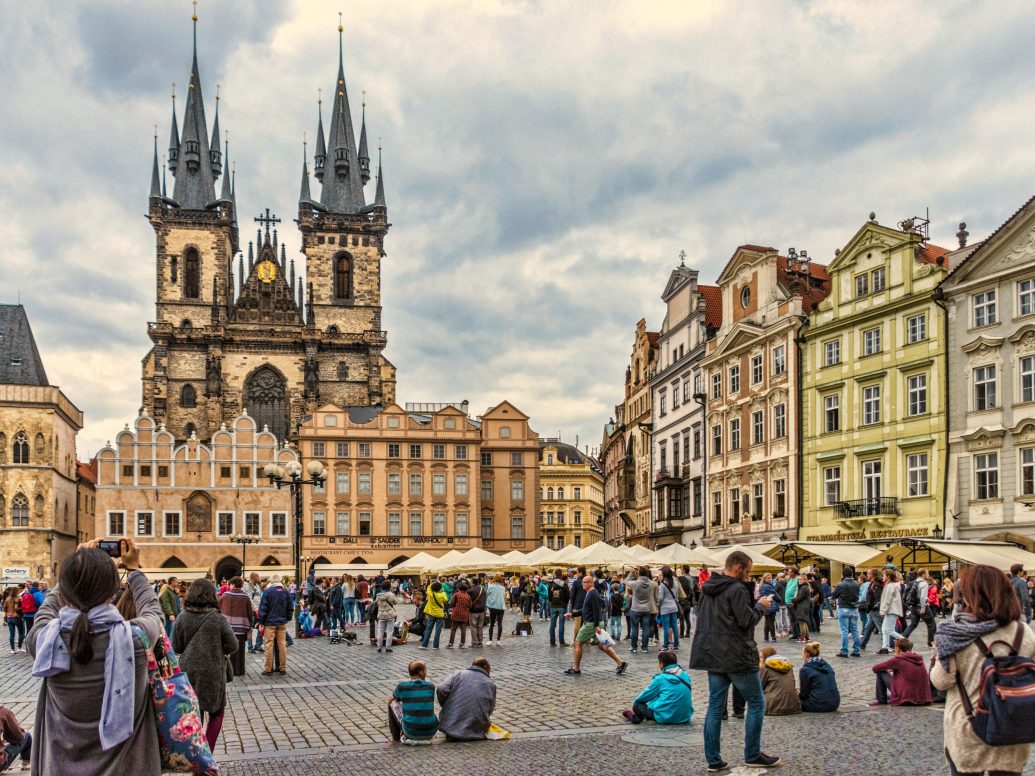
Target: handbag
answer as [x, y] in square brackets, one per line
[229, 669]
[181, 738]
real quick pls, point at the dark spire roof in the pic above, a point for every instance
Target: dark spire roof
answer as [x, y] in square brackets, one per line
[364, 155]
[342, 190]
[174, 136]
[303, 195]
[379, 197]
[20, 362]
[195, 187]
[217, 161]
[321, 148]
[156, 182]
[227, 194]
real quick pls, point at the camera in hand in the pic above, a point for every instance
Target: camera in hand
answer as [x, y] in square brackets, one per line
[111, 546]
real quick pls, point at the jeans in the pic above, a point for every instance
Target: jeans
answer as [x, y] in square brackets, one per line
[641, 711]
[16, 625]
[769, 628]
[640, 621]
[889, 630]
[883, 687]
[556, 617]
[22, 750]
[783, 621]
[616, 627]
[336, 620]
[350, 610]
[385, 631]
[666, 622]
[928, 617]
[685, 623]
[362, 611]
[750, 686]
[828, 606]
[431, 624]
[544, 607]
[873, 625]
[169, 624]
[849, 624]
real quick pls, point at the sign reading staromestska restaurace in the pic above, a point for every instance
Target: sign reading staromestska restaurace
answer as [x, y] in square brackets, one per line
[856, 536]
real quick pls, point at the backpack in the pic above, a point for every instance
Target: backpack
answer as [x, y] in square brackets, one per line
[1006, 696]
[28, 603]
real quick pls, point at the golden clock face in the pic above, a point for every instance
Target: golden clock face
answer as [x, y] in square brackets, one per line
[266, 271]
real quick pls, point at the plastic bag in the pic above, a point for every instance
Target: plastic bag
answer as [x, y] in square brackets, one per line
[496, 733]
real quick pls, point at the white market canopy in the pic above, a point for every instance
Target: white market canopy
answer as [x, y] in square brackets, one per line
[563, 556]
[604, 555]
[678, 555]
[848, 553]
[414, 565]
[339, 569]
[539, 556]
[475, 559]
[638, 551]
[1000, 555]
[760, 563]
[442, 562]
[514, 556]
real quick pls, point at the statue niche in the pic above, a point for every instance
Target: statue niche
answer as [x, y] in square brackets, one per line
[266, 399]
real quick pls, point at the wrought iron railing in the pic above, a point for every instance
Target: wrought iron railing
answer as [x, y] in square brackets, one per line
[866, 507]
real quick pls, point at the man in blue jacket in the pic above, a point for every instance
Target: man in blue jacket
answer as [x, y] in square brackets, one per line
[667, 699]
[275, 610]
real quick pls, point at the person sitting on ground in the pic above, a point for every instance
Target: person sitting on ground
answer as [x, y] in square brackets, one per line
[667, 699]
[411, 709]
[468, 699]
[781, 696]
[905, 676]
[17, 744]
[816, 682]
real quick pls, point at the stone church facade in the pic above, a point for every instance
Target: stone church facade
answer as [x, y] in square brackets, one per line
[257, 337]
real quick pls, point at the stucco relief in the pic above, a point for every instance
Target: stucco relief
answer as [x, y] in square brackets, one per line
[1023, 250]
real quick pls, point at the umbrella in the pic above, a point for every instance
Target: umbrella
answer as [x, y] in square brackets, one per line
[414, 565]
[539, 556]
[678, 555]
[604, 555]
[638, 551]
[475, 559]
[442, 562]
[562, 556]
[759, 563]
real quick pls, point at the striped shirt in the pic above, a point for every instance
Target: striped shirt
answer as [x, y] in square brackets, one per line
[417, 697]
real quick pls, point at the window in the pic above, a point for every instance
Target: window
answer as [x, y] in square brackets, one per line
[779, 498]
[1026, 297]
[984, 308]
[916, 474]
[172, 523]
[871, 341]
[984, 388]
[415, 451]
[224, 523]
[862, 285]
[341, 482]
[278, 524]
[191, 275]
[461, 452]
[745, 297]
[343, 370]
[343, 277]
[516, 459]
[716, 507]
[486, 490]
[986, 472]
[735, 505]
[549, 542]
[832, 352]
[872, 482]
[576, 540]
[661, 403]
[461, 524]
[245, 472]
[319, 487]
[188, 396]
[438, 451]
[734, 379]
[438, 524]
[697, 443]
[517, 527]
[416, 484]
[735, 434]
[779, 360]
[394, 450]
[756, 370]
[342, 523]
[716, 440]
[877, 282]
[675, 394]
[1028, 471]
[450, 423]
[145, 471]
[486, 528]
[757, 427]
[343, 449]
[395, 523]
[716, 386]
[163, 471]
[438, 484]
[577, 493]
[871, 404]
[319, 449]
[365, 483]
[504, 432]
[916, 328]
[917, 389]
[145, 523]
[577, 517]
[758, 499]
[394, 483]
[663, 456]
[416, 524]
[687, 392]
[698, 496]
[20, 453]
[364, 523]
[252, 522]
[1027, 369]
[780, 421]
[20, 515]
[486, 459]
[517, 490]
[831, 485]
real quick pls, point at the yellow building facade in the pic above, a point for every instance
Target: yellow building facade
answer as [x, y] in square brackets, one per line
[874, 391]
[571, 492]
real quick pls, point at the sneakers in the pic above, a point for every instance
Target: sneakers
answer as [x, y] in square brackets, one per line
[26, 765]
[573, 672]
[763, 761]
[843, 654]
[449, 646]
[14, 651]
[463, 646]
[633, 650]
[380, 650]
[882, 652]
[388, 649]
[876, 703]
[722, 765]
[630, 716]
[415, 742]
[621, 669]
[423, 647]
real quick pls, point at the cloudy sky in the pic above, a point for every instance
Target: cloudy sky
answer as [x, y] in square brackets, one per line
[545, 163]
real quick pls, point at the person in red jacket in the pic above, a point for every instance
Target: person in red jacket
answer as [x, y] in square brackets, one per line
[905, 676]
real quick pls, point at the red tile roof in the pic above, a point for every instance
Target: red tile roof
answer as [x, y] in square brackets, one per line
[712, 305]
[819, 283]
[930, 253]
[652, 338]
[88, 471]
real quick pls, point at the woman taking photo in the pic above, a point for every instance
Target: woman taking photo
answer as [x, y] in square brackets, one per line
[76, 631]
[13, 618]
[204, 640]
[990, 610]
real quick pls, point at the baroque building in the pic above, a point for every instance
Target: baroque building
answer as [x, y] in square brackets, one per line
[571, 495]
[873, 389]
[612, 462]
[258, 337]
[751, 371]
[693, 314]
[990, 303]
[421, 478]
[38, 468]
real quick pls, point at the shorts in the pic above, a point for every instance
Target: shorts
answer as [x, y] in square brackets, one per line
[587, 633]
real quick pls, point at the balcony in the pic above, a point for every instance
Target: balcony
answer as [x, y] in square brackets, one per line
[866, 507]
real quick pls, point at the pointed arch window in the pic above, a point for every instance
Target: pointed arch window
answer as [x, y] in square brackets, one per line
[191, 274]
[19, 511]
[343, 276]
[20, 449]
[188, 396]
[266, 398]
[3, 447]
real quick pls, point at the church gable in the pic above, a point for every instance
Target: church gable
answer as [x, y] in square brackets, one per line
[266, 296]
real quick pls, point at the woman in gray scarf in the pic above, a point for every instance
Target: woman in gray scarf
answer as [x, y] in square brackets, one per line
[94, 715]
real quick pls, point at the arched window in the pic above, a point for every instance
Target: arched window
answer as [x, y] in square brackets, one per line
[20, 452]
[188, 396]
[343, 276]
[19, 511]
[186, 325]
[190, 431]
[549, 494]
[265, 395]
[343, 370]
[3, 447]
[191, 274]
[560, 493]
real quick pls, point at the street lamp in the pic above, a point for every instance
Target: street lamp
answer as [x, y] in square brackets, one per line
[290, 476]
[693, 544]
[244, 541]
[937, 533]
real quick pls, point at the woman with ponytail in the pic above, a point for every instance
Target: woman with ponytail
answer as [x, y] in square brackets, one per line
[94, 714]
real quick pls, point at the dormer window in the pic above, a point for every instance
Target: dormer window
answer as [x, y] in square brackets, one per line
[745, 297]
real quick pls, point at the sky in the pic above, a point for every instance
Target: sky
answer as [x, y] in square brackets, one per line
[544, 163]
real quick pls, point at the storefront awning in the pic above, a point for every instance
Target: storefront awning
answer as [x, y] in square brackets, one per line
[999, 555]
[331, 569]
[848, 553]
[184, 575]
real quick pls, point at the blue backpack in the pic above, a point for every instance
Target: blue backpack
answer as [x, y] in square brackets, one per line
[1006, 696]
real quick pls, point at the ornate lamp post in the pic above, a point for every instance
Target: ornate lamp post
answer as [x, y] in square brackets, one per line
[290, 476]
[244, 541]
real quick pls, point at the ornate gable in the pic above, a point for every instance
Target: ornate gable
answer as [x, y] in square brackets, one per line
[266, 296]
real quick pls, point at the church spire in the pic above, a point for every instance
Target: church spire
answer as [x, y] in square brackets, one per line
[195, 186]
[304, 196]
[342, 190]
[364, 155]
[321, 149]
[216, 157]
[379, 198]
[227, 194]
[174, 136]
[156, 183]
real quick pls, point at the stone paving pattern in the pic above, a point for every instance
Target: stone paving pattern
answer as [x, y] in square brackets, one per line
[327, 715]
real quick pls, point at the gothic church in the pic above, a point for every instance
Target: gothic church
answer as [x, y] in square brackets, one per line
[259, 338]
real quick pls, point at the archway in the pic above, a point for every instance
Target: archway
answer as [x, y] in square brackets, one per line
[172, 562]
[269, 560]
[358, 559]
[266, 399]
[226, 568]
[397, 560]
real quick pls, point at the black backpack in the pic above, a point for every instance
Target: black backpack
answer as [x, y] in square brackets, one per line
[1006, 696]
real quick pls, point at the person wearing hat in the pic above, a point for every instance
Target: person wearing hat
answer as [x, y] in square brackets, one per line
[275, 610]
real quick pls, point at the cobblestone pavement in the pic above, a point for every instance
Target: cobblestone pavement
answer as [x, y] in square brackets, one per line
[327, 715]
